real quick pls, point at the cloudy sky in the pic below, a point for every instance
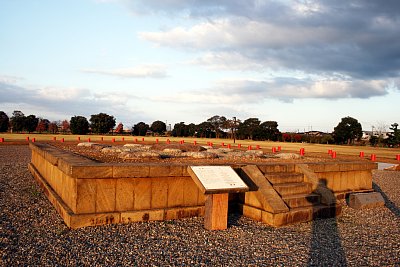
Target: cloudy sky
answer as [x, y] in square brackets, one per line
[305, 64]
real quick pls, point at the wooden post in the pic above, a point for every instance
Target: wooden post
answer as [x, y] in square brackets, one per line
[216, 212]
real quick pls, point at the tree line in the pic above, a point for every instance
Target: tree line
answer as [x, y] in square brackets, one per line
[348, 130]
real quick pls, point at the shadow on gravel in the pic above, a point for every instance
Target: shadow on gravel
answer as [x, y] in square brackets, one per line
[326, 245]
[388, 203]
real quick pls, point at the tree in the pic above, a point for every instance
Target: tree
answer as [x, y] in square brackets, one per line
[65, 126]
[4, 120]
[232, 126]
[31, 123]
[180, 130]
[381, 127]
[158, 127]
[42, 125]
[217, 123]
[347, 131]
[394, 137]
[267, 130]
[327, 139]
[204, 130]
[286, 137]
[101, 123]
[297, 138]
[247, 127]
[17, 121]
[53, 127]
[191, 129]
[140, 129]
[79, 125]
[120, 128]
[373, 140]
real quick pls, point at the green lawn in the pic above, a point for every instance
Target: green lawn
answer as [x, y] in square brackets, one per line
[381, 153]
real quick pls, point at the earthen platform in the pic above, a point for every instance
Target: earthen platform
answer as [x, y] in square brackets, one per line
[86, 192]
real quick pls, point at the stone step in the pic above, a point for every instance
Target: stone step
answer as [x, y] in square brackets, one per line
[302, 200]
[296, 215]
[306, 214]
[293, 188]
[284, 177]
[277, 168]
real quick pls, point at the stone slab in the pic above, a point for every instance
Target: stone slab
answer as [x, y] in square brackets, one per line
[366, 200]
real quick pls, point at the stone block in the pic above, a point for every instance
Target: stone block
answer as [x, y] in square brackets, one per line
[273, 168]
[165, 170]
[180, 213]
[350, 181]
[291, 168]
[316, 167]
[190, 192]
[92, 171]
[125, 194]
[58, 180]
[159, 193]
[175, 192]
[336, 181]
[84, 220]
[252, 200]
[366, 200]
[70, 199]
[365, 179]
[105, 195]
[252, 213]
[267, 218]
[86, 196]
[131, 171]
[61, 187]
[141, 216]
[344, 167]
[142, 198]
[333, 167]
[52, 157]
[201, 200]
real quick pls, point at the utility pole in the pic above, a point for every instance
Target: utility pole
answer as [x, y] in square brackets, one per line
[234, 130]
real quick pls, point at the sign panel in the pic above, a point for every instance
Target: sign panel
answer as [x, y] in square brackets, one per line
[217, 179]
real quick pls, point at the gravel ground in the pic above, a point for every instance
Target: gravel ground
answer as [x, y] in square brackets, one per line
[32, 234]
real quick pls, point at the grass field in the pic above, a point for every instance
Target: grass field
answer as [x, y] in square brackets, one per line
[387, 154]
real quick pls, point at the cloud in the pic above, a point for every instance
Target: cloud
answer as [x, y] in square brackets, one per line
[287, 89]
[357, 39]
[66, 102]
[309, 48]
[9, 79]
[143, 71]
[235, 91]
[242, 33]
[227, 61]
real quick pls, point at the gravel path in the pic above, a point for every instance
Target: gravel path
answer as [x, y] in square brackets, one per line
[32, 234]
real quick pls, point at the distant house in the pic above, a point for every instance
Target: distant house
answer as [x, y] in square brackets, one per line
[367, 134]
[315, 133]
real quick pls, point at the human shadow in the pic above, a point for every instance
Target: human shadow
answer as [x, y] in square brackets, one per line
[388, 203]
[326, 245]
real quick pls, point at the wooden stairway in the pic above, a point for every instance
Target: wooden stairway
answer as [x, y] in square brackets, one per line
[289, 187]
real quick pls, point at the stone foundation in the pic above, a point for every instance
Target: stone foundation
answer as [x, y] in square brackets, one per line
[89, 193]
